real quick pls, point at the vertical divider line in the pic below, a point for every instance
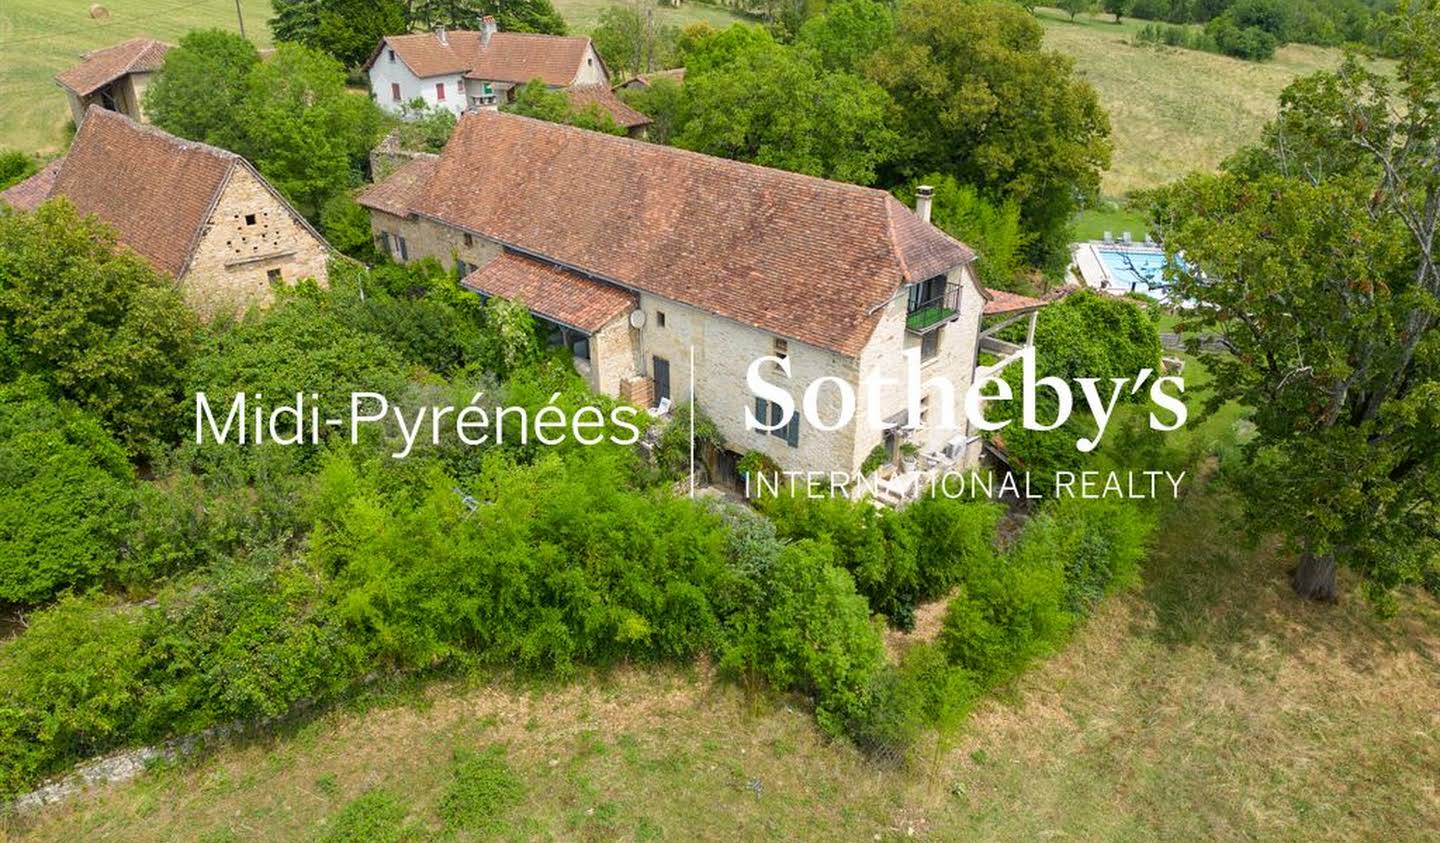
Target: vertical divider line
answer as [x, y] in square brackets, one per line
[692, 420]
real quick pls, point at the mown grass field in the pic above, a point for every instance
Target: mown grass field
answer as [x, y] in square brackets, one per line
[1207, 704]
[40, 38]
[1173, 110]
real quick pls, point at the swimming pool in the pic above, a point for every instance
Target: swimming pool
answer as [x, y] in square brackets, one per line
[1134, 270]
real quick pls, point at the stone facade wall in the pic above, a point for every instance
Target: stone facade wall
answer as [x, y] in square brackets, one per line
[429, 239]
[613, 355]
[723, 351]
[623, 362]
[250, 235]
[954, 361]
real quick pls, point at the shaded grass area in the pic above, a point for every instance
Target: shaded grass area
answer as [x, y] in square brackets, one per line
[40, 38]
[1209, 702]
[1173, 110]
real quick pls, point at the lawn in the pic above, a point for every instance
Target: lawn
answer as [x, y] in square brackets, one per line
[40, 38]
[1208, 703]
[1173, 110]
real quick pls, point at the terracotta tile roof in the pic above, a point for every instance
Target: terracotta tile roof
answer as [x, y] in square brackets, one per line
[154, 189]
[102, 67]
[1006, 302]
[399, 191]
[25, 195]
[801, 257]
[510, 56]
[644, 79]
[583, 96]
[553, 293]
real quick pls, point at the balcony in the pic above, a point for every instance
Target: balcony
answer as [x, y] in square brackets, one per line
[932, 304]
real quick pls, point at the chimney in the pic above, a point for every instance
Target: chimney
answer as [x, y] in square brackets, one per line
[923, 194]
[440, 34]
[487, 28]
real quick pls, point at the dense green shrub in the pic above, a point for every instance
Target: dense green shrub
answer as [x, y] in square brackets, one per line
[70, 687]
[95, 322]
[952, 537]
[1008, 612]
[814, 634]
[923, 692]
[65, 495]
[1102, 542]
[672, 449]
[876, 546]
[15, 166]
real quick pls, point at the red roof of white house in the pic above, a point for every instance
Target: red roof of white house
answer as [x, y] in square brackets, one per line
[508, 57]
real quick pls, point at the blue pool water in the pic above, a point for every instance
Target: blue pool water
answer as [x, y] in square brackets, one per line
[1139, 271]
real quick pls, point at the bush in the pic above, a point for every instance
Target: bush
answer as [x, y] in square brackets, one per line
[672, 450]
[70, 687]
[815, 635]
[483, 789]
[65, 495]
[951, 538]
[15, 167]
[1008, 613]
[924, 691]
[1101, 541]
[1243, 42]
[876, 546]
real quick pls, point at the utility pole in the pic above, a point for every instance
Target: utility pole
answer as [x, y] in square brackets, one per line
[241, 17]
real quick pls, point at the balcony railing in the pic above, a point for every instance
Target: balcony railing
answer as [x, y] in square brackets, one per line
[925, 315]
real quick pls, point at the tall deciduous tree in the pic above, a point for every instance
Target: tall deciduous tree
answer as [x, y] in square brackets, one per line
[1314, 258]
[97, 323]
[203, 81]
[982, 100]
[510, 15]
[302, 128]
[849, 32]
[346, 29]
[769, 105]
[631, 42]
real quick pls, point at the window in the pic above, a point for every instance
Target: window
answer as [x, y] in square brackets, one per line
[392, 55]
[395, 91]
[790, 432]
[440, 91]
[930, 344]
[469, 241]
[404, 250]
[249, 219]
[273, 275]
[385, 242]
[660, 318]
[464, 268]
[782, 348]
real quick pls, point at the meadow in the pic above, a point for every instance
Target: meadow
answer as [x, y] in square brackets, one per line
[1207, 703]
[40, 38]
[1173, 110]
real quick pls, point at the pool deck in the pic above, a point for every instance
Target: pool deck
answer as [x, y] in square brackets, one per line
[1085, 262]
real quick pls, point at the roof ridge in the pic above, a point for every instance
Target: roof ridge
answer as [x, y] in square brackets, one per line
[155, 131]
[665, 149]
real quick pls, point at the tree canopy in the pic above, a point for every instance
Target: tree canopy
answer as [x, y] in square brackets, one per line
[348, 30]
[97, 323]
[204, 80]
[980, 99]
[1312, 257]
[760, 102]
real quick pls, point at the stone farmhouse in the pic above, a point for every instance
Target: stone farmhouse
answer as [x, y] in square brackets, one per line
[650, 262]
[464, 70]
[197, 213]
[114, 78]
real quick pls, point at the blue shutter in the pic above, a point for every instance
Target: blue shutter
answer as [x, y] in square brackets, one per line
[776, 414]
[762, 415]
[792, 431]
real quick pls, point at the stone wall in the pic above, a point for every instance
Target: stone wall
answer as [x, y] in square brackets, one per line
[251, 234]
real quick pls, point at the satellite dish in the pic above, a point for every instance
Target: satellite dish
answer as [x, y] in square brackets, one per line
[637, 318]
